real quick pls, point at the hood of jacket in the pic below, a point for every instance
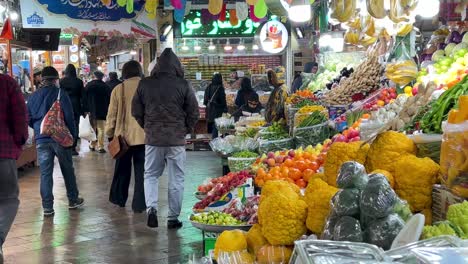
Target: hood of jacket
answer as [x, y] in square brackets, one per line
[169, 63]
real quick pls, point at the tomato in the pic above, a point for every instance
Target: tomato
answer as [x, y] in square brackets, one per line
[295, 174]
[314, 166]
[301, 165]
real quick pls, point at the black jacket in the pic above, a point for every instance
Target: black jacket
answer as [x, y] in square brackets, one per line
[215, 101]
[246, 108]
[97, 99]
[164, 104]
[113, 83]
[242, 96]
[76, 92]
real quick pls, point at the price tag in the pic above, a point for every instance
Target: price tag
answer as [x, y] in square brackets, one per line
[198, 76]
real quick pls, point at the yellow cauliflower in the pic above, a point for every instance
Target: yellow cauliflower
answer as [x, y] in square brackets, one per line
[387, 175]
[230, 241]
[414, 178]
[386, 149]
[279, 186]
[319, 175]
[341, 152]
[282, 217]
[255, 239]
[317, 196]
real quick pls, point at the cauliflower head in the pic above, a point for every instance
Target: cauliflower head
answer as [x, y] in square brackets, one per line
[388, 147]
[458, 215]
[255, 239]
[230, 241]
[341, 152]
[439, 229]
[282, 218]
[279, 186]
[317, 196]
[387, 175]
[414, 178]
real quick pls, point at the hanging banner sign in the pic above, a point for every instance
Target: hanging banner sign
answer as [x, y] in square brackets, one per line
[93, 10]
[192, 26]
[274, 36]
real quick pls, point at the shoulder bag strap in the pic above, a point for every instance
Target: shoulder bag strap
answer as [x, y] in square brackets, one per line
[213, 96]
[124, 110]
[58, 96]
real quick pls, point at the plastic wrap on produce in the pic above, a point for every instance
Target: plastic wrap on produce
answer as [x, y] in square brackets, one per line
[329, 227]
[454, 158]
[236, 257]
[428, 145]
[325, 251]
[240, 164]
[352, 175]
[378, 197]
[346, 202]
[405, 255]
[273, 254]
[275, 145]
[225, 123]
[382, 231]
[348, 228]
[441, 255]
[313, 135]
[291, 112]
[230, 144]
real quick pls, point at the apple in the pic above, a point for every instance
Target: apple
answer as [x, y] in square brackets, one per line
[271, 162]
[353, 133]
[279, 159]
[354, 139]
[415, 90]
[271, 155]
[291, 153]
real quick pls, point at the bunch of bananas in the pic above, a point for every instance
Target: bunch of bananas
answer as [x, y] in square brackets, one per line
[376, 8]
[408, 6]
[395, 13]
[343, 10]
[402, 72]
[351, 37]
[404, 29]
[257, 124]
[368, 25]
[366, 40]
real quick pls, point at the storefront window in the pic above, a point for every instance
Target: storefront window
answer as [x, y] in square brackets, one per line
[21, 68]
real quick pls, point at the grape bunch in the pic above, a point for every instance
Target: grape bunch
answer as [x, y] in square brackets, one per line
[216, 218]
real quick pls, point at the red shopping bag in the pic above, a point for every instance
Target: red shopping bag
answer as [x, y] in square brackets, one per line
[53, 125]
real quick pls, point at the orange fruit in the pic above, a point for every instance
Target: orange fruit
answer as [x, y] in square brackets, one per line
[301, 165]
[307, 174]
[260, 183]
[301, 183]
[268, 177]
[307, 155]
[285, 170]
[261, 172]
[295, 174]
[314, 166]
[288, 163]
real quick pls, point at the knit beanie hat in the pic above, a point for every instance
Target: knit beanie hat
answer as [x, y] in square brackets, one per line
[50, 72]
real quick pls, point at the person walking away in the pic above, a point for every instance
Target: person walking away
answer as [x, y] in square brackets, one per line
[309, 67]
[253, 106]
[274, 110]
[114, 80]
[244, 93]
[37, 78]
[13, 134]
[75, 90]
[166, 107]
[97, 104]
[215, 101]
[47, 149]
[121, 122]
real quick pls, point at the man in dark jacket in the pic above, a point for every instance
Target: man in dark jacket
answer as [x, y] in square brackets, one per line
[47, 149]
[75, 90]
[166, 107]
[13, 134]
[97, 104]
[309, 67]
[113, 80]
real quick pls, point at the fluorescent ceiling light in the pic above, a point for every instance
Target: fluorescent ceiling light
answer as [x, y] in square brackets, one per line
[197, 48]
[255, 47]
[427, 8]
[14, 15]
[133, 52]
[299, 33]
[185, 47]
[300, 11]
[212, 46]
[228, 46]
[241, 45]
[166, 29]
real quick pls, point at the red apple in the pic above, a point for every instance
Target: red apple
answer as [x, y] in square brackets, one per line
[279, 159]
[415, 90]
[292, 153]
[271, 155]
[357, 138]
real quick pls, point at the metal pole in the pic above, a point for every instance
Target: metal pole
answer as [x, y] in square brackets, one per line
[289, 64]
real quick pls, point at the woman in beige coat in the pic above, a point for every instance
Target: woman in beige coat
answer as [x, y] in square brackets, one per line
[121, 122]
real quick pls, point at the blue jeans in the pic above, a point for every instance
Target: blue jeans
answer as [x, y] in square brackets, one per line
[155, 162]
[46, 154]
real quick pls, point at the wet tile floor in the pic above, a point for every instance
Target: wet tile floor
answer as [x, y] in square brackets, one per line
[101, 232]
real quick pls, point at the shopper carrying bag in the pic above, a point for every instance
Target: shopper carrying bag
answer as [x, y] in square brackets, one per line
[86, 131]
[119, 146]
[53, 125]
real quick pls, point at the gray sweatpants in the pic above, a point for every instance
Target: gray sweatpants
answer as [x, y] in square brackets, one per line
[155, 162]
[9, 192]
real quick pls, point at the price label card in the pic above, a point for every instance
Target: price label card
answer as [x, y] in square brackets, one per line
[198, 76]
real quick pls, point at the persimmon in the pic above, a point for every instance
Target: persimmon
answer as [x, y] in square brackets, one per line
[301, 183]
[295, 174]
[307, 174]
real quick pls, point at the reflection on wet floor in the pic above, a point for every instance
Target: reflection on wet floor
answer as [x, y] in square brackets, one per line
[101, 232]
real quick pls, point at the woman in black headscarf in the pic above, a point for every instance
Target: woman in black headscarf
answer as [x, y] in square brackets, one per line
[215, 101]
[244, 93]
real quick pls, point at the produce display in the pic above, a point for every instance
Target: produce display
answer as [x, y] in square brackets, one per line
[221, 188]
[456, 223]
[244, 211]
[315, 118]
[216, 218]
[274, 132]
[364, 80]
[245, 154]
[301, 98]
[304, 112]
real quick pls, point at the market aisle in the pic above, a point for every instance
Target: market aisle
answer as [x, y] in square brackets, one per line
[101, 232]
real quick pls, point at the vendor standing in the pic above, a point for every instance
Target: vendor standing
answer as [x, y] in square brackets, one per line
[310, 67]
[274, 110]
[215, 101]
[251, 107]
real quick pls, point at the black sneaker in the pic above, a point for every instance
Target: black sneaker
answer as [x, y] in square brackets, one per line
[49, 211]
[92, 149]
[76, 204]
[102, 151]
[75, 153]
[152, 218]
[174, 224]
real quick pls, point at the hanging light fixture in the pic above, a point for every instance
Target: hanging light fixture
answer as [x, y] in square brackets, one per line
[197, 47]
[133, 52]
[228, 46]
[166, 29]
[212, 46]
[255, 47]
[14, 15]
[184, 46]
[300, 11]
[241, 45]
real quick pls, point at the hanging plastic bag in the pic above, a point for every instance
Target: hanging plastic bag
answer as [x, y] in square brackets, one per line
[233, 19]
[403, 70]
[215, 6]
[260, 9]
[242, 10]
[86, 130]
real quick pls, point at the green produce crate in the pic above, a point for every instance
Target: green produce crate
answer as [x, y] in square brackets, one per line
[209, 240]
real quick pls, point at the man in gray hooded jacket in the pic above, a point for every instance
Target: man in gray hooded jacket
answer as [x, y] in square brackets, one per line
[166, 107]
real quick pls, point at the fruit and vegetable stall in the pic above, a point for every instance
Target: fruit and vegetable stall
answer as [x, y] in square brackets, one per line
[370, 163]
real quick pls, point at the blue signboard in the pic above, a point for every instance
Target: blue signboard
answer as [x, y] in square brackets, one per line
[93, 10]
